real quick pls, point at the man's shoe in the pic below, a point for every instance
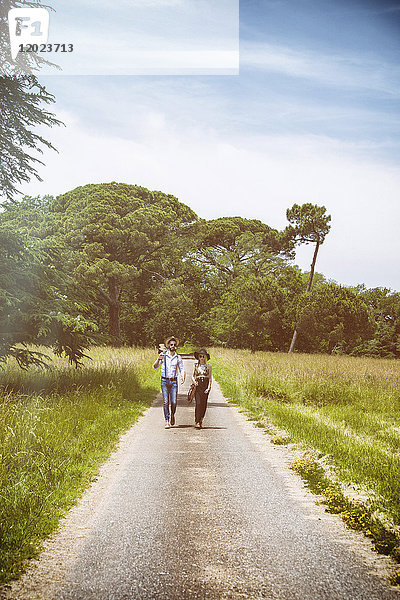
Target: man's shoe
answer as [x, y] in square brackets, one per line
[172, 420]
[166, 424]
[198, 426]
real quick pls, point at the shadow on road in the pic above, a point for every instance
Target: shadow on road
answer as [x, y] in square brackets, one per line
[205, 427]
[182, 401]
[193, 427]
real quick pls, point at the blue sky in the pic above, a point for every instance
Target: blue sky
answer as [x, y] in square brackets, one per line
[312, 116]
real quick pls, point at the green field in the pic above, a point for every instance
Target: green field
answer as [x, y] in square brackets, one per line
[61, 424]
[344, 413]
[58, 427]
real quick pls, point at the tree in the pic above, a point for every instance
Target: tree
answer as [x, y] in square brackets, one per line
[171, 311]
[229, 243]
[34, 307]
[116, 233]
[228, 247]
[332, 319]
[253, 311]
[22, 100]
[385, 310]
[309, 223]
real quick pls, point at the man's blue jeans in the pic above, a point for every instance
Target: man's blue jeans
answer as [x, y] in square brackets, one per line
[169, 391]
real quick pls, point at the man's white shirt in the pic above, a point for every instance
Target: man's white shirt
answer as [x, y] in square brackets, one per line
[171, 365]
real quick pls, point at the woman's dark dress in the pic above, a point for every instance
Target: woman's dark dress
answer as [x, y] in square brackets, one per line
[201, 374]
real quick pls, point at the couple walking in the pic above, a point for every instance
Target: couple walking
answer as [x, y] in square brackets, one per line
[171, 363]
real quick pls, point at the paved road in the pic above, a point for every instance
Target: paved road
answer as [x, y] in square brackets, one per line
[210, 514]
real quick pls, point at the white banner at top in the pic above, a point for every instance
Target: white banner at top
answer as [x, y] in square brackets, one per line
[131, 37]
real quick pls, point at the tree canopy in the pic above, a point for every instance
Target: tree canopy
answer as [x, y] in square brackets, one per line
[332, 318]
[115, 233]
[309, 223]
[133, 265]
[228, 246]
[34, 306]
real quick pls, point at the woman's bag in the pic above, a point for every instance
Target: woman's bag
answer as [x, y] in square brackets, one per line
[191, 392]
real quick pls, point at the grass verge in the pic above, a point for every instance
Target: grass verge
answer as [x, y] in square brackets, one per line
[344, 412]
[59, 426]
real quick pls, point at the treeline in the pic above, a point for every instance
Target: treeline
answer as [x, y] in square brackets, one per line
[120, 264]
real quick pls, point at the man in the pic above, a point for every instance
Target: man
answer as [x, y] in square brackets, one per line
[170, 363]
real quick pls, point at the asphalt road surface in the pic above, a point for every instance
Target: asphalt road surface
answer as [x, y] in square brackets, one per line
[215, 513]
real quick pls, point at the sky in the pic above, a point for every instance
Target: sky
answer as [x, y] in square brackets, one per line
[152, 37]
[311, 115]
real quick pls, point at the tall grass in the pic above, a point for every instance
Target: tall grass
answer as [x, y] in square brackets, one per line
[346, 409]
[58, 426]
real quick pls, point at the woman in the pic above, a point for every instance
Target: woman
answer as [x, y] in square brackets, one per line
[202, 379]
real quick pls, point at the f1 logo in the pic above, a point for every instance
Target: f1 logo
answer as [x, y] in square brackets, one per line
[27, 25]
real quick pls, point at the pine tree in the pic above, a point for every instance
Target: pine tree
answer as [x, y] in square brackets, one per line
[22, 108]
